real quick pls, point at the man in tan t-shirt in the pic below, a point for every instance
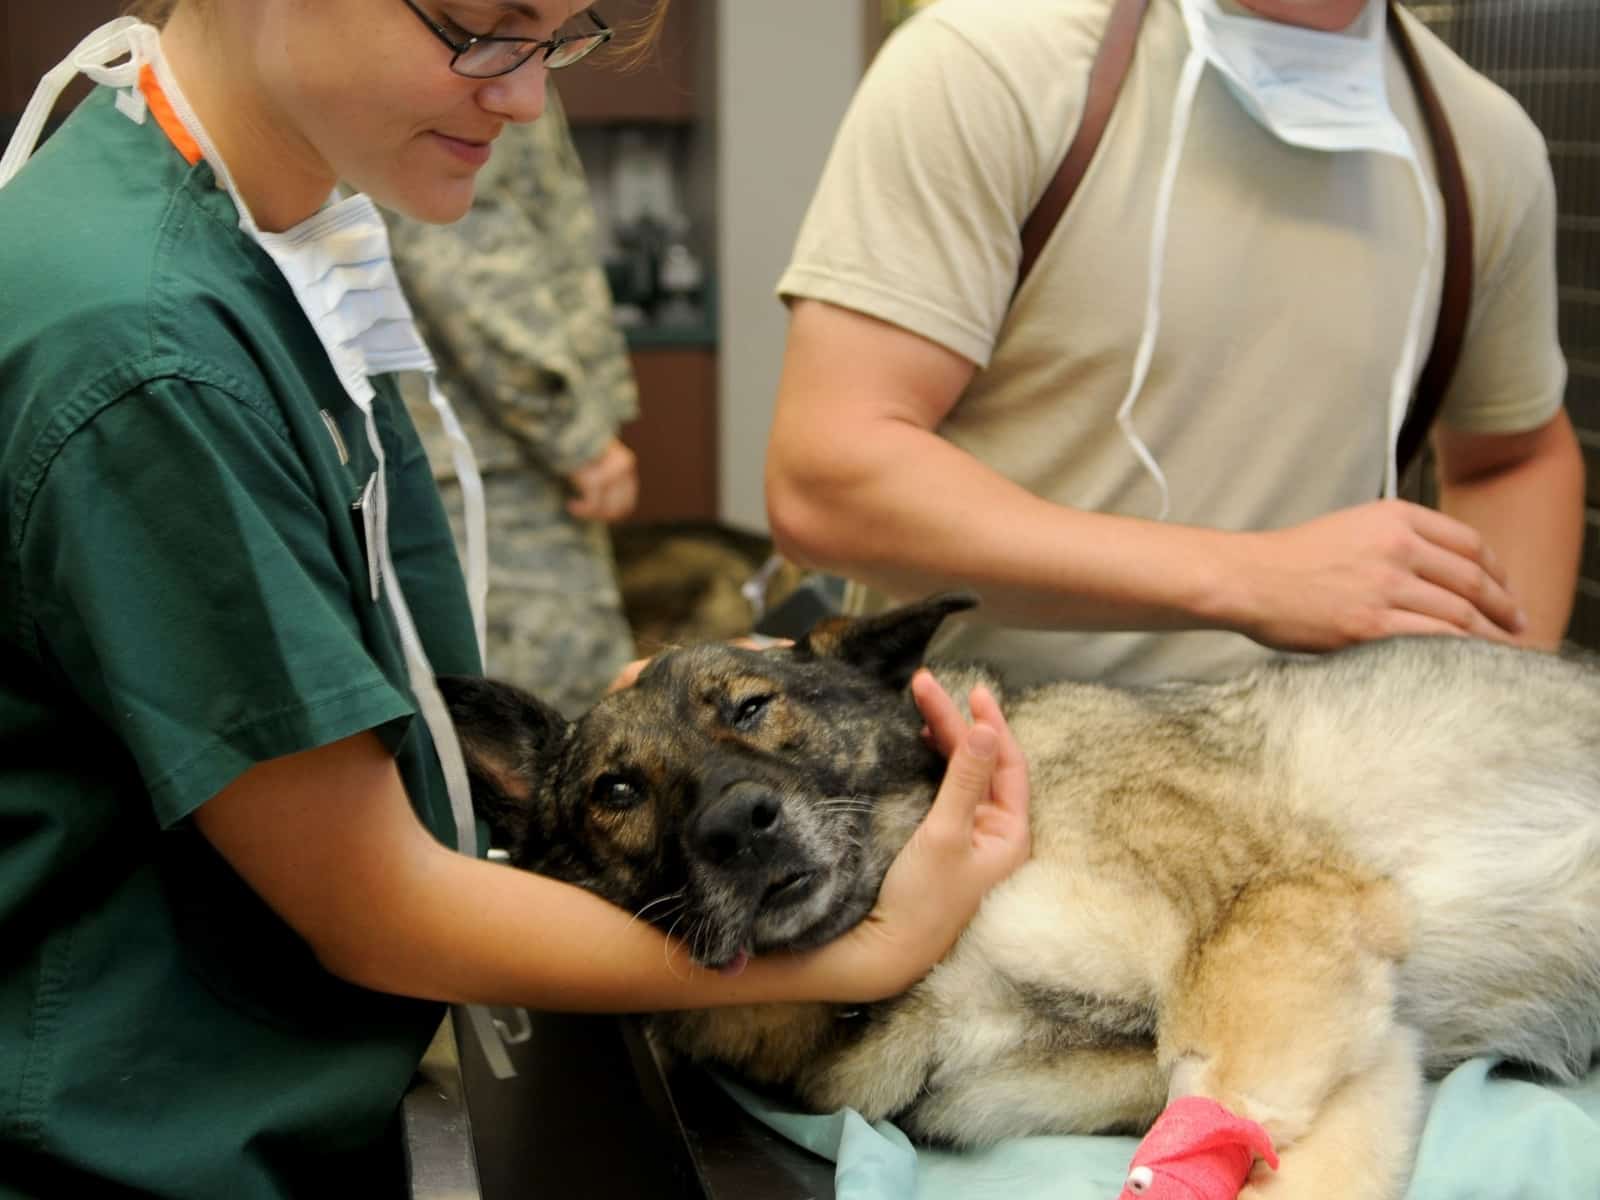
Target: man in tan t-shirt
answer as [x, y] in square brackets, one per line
[933, 431]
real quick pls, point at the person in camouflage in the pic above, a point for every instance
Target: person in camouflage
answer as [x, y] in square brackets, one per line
[513, 302]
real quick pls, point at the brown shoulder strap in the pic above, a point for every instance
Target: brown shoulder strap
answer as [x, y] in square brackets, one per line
[1455, 304]
[1105, 82]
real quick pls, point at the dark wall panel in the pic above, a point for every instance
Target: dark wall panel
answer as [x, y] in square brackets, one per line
[34, 36]
[1546, 53]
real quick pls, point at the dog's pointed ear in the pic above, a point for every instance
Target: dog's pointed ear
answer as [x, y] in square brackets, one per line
[889, 645]
[506, 734]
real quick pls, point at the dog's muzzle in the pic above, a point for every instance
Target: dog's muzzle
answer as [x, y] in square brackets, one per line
[738, 825]
[740, 832]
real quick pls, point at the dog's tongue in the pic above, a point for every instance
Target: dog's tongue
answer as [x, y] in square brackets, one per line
[736, 966]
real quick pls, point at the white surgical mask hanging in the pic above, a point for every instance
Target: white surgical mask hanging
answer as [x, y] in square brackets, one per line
[1316, 90]
[338, 265]
[1319, 90]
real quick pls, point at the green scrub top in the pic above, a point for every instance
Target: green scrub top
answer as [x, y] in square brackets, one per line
[184, 592]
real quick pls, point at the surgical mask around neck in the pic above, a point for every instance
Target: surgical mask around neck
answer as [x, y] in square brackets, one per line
[1322, 91]
[1318, 91]
[338, 264]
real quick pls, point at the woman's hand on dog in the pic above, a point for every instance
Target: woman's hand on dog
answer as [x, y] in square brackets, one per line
[974, 836]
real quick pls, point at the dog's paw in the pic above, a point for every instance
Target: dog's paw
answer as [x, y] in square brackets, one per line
[1277, 1108]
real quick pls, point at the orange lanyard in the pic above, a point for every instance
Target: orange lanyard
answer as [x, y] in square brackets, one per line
[161, 109]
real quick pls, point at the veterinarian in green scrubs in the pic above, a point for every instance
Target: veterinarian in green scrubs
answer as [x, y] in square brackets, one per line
[230, 903]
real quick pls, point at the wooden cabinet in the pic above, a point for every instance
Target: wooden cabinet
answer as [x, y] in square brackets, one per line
[670, 91]
[667, 84]
[675, 435]
[35, 37]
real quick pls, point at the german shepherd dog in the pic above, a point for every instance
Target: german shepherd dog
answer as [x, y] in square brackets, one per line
[1296, 892]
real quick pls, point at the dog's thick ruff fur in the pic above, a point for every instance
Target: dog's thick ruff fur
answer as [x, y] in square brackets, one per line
[1294, 892]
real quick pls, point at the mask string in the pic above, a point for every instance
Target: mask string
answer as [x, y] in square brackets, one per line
[473, 512]
[1182, 108]
[436, 716]
[88, 57]
[1404, 382]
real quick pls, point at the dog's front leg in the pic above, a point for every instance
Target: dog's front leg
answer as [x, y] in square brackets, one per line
[1284, 1014]
[1364, 1138]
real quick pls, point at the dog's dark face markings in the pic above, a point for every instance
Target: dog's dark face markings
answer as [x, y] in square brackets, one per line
[746, 800]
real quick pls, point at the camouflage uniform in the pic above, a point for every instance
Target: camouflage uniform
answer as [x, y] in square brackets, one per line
[513, 303]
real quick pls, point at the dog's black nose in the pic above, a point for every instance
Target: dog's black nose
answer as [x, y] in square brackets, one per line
[736, 819]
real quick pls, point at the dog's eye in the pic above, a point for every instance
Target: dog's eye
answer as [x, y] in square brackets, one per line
[748, 715]
[616, 792]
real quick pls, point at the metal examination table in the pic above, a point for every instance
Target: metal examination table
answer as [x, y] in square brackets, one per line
[589, 1115]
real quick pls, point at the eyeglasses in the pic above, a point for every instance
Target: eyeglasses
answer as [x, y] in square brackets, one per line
[483, 56]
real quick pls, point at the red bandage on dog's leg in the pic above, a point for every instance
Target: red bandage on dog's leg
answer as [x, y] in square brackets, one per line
[1196, 1150]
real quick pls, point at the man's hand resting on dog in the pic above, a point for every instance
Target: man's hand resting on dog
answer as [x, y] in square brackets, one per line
[1378, 570]
[975, 835]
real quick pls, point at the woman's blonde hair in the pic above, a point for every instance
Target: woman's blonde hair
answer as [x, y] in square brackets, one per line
[637, 36]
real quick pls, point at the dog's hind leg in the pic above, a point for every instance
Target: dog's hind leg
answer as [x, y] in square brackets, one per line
[1284, 1014]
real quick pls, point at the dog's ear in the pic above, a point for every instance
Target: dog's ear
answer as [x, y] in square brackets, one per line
[890, 645]
[506, 734]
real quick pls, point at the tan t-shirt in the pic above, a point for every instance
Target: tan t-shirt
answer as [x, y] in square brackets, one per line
[1285, 287]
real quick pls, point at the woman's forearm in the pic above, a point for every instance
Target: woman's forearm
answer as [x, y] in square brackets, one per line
[328, 839]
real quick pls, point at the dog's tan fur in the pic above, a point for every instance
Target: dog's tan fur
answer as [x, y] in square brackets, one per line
[1296, 892]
